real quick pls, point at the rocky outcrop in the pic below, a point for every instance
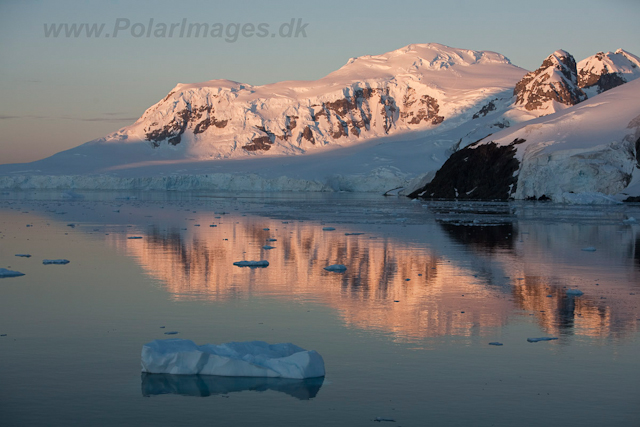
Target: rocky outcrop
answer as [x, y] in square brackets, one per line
[187, 118]
[555, 81]
[477, 172]
[604, 71]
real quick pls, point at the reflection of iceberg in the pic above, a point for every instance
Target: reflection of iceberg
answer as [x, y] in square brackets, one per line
[207, 385]
[234, 359]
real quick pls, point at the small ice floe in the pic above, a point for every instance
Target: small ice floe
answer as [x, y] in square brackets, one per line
[265, 229]
[9, 273]
[55, 261]
[336, 268]
[268, 247]
[589, 249]
[328, 228]
[72, 225]
[541, 339]
[380, 419]
[495, 343]
[134, 237]
[574, 292]
[24, 255]
[213, 225]
[171, 333]
[253, 264]
[71, 195]
[272, 240]
[233, 359]
[352, 234]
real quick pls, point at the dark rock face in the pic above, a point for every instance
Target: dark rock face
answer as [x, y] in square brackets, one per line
[486, 109]
[556, 79]
[477, 172]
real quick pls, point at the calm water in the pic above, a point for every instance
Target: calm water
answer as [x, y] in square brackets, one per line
[404, 332]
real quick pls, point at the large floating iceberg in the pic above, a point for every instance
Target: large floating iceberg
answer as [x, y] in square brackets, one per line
[234, 359]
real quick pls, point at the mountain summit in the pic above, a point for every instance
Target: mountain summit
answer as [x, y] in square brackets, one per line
[413, 88]
[551, 87]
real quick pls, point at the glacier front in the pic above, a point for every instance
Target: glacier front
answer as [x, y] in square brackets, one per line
[233, 359]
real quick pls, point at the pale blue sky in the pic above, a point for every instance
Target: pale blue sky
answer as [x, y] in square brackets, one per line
[57, 93]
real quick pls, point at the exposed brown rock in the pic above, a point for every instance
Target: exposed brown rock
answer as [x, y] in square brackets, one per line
[536, 88]
[173, 131]
[308, 135]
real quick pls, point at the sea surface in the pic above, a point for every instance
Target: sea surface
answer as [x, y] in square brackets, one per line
[404, 332]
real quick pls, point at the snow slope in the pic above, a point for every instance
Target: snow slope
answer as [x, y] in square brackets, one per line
[590, 149]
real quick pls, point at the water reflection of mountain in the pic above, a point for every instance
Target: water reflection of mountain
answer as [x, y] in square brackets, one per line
[208, 385]
[464, 289]
[439, 298]
[544, 260]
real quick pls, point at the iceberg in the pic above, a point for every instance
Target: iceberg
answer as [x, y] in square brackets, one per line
[253, 264]
[9, 273]
[574, 292]
[234, 359]
[337, 268]
[541, 339]
[55, 261]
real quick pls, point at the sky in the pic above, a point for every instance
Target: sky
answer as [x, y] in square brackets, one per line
[59, 92]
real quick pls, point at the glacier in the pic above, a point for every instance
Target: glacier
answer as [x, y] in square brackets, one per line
[233, 359]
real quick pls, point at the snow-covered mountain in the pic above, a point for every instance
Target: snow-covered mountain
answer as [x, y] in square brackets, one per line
[416, 87]
[604, 71]
[591, 147]
[377, 123]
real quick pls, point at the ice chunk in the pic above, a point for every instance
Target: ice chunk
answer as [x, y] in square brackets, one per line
[541, 339]
[171, 333]
[253, 264]
[71, 195]
[574, 292]
[134, 237]
[495, 343]
[268, 247]
[9, 273]
[55, 261]
[234, 359]
[328, 228]
[338, 268]
[24, 255]
[353, 234]
[589, 249]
